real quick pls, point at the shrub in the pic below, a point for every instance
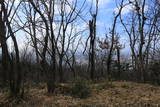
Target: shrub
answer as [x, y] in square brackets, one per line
[125, 86]
[81, 88]
[62, 88]
[155, 72]
[105, 85]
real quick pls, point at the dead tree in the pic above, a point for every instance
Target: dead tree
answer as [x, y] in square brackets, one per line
[92, 37]
[50, 73]
[92, 49]
[140, 38]
[109, 58]
[118, 48]
[6, 60]
[15, 76]
[66, 19]
[71, 55]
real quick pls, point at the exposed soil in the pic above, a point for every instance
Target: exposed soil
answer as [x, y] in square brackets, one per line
[123, 94]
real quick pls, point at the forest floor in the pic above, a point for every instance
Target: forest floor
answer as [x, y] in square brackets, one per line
[121, 94]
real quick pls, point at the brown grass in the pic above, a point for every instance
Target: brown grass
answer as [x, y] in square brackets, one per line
[123, 94]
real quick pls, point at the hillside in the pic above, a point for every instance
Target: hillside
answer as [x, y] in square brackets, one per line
[121, 94]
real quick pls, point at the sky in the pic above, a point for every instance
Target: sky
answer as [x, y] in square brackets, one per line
[107, 9]
[104, 19]
[105, 15]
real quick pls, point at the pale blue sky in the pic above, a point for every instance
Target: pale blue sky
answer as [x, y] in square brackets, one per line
[107, 8]
[104, 20]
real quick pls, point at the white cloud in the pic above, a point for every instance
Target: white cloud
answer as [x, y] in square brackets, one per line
[101, 3]
[125, 10]
[129, 8]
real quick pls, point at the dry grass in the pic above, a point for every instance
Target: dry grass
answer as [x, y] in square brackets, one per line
[123, 94]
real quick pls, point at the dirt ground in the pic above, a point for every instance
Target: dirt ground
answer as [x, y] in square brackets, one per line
[123, 94]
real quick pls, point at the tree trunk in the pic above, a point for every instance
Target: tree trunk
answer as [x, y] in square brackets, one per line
[119, 63]
[61, 79]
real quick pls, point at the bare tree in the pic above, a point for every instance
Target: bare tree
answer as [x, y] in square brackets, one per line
[92, 37]
[113, 32]
[140, 38]
[6, 60]
[15, 77]
[50, 73]
[66, 19]
[71, 54]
